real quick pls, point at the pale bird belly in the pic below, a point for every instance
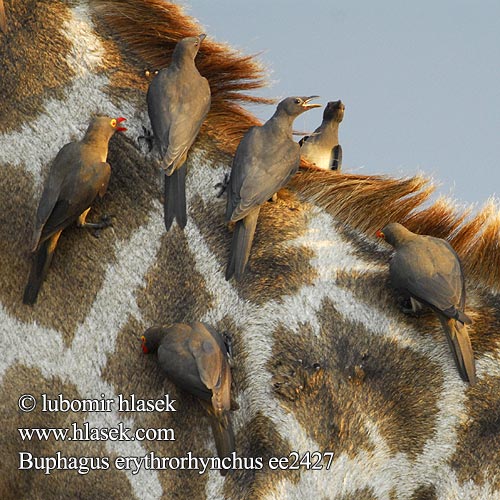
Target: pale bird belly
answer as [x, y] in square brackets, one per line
[321, 160]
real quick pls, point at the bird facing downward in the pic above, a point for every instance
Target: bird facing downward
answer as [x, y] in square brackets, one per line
[428, 271]
[265, 160]
[196, 358]
[178, 101]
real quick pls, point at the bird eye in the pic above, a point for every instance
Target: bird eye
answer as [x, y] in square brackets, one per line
[297, 101]
[113, 123]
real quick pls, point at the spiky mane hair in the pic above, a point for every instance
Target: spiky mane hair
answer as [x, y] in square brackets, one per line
[323, 357]
[368, 202]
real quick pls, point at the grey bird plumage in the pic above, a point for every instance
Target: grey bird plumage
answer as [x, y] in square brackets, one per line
[322, 148]
[78, 174]
[178, 101]
[428, 271]
[265, 160]
[196, 358]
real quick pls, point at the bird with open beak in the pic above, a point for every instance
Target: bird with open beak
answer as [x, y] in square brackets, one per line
[265, 160]
[78, 174]
[428, 271]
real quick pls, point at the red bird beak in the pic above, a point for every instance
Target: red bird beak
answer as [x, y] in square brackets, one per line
[118, 121]
[143, 344]
[380, 234]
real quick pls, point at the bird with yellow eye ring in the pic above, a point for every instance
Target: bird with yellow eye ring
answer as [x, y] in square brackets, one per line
[78, 174]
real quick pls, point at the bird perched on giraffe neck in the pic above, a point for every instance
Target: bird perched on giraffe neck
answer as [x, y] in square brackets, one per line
[265, 160]
[427, 271]
[197, 359]
[78, 174]
[178, 101]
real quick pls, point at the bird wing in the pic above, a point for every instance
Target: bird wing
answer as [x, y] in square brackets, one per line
[177, 109]
[261, 167]
[59, 171]
[78, 190]
[336, 159]
[184, 128]
[208, 362]
[431, 273]
[211, 360]
[160, 108]
[222, 393]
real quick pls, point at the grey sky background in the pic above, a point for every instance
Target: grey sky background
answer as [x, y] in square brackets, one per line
[420, 80]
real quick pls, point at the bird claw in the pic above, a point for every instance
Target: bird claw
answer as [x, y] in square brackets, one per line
[228, 341]
[406, 306]
[148, 137]
[359, 374]
[223, 185]
[97, 227]
[107, 220]
[411, 312]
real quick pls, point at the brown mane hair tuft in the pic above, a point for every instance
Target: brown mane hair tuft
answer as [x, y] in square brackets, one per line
[369, 202]
[148, 30]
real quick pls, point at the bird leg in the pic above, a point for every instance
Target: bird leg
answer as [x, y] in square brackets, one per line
[410, 306]
[223, 185]
[148, 137]
[105, 221]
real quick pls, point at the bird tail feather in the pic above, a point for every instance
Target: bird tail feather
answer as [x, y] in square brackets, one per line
[241, 244]
[174, 204]
[460, 345]
[222, 429]
[39, 268]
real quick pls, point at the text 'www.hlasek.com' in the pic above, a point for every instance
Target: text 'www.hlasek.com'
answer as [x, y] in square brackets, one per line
[101, 411]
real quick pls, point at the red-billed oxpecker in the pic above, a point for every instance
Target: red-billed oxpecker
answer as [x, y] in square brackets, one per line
[78, 174]
[266, 159]
[197, 359]
[322, 148]
[178, 102]
[426, 270]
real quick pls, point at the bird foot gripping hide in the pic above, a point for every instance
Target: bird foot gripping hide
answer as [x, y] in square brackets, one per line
[105, 222]
[148, 137]
[385, 415]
